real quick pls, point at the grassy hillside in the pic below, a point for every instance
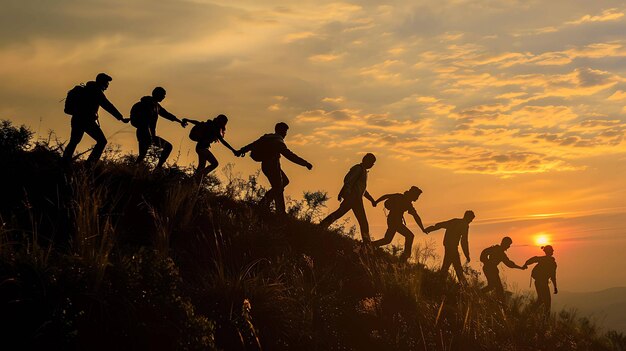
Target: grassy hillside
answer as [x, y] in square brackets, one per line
[122, 257]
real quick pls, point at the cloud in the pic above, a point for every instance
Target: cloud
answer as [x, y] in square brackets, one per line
[606, 15]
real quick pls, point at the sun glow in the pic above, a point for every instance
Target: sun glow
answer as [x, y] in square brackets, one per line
[542, 239]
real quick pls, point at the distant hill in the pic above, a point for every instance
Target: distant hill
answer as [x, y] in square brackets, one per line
[607, 307]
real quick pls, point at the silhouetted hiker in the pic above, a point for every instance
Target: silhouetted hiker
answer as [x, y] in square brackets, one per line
[206, 133]
[544, 271]
[491, 258]
[267, 150]
[398, 204]
[457, 230]
[351, 196]
[144, 116]
[82, 103]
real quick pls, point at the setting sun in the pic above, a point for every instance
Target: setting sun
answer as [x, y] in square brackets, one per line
[542, 239]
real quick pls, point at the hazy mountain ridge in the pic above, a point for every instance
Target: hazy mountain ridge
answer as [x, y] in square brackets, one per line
[606, 307]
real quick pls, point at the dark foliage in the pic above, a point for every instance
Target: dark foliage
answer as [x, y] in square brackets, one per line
[128, 258]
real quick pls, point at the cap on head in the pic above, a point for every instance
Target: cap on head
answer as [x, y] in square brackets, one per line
[414, 190]
[103, 78]
[281, 128]
[158, 91]
[548, 249]
[506, 241]
[221, 120]
[469, 214]
[369, 158]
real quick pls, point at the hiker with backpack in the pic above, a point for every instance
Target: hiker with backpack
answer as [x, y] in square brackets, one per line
[491, 258]
[144, 116]
[398, 204]
[351, 196]
[457, 231]
[204, 134]
[544, 271]
[82, 103]
[267, 150]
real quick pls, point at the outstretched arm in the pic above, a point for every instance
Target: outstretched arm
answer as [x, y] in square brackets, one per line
[295, 158]
[418, 220]
[192, 121]
[531, 260]
[367, 195]
[165, 114]
[221, 139]
[108, 106]
[246, 148]
[437, 226]
[383, 198]
[511, 264]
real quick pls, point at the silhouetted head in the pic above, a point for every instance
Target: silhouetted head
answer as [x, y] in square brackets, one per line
[413, 193]
[221, 121]
[469, 216]
[103, 80]
[158, 94]
[281, 129]
[506, 242]
[368, 160]
[549, 251]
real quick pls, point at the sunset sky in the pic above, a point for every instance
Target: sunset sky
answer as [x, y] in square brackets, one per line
[515, 109]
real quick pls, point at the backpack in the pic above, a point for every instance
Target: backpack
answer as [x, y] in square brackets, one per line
[544, 269]
[484, 255]
[396, 203]
[204, 131]
[140, 113]
[74, 101]
[261, 149]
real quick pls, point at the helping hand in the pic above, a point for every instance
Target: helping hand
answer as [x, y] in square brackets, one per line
[374, 203]
[125, 120]
[183, 123]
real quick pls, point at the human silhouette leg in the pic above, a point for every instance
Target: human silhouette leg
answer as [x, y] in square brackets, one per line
[456, 263]
[76, 136]
[344, 207]
[408, 241]
[544, 300]
[279, 195]
[166, 150]
[95, 132]
[205, 155]
[493, 281]
[144, 140]
[361, 217]
[393, 222]
[278, 180]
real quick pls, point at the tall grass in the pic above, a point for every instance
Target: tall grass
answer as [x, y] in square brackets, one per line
[158, 261]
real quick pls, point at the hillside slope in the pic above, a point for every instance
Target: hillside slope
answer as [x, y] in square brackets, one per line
[122, 257]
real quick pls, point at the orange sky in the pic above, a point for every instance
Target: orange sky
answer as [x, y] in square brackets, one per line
[514, 109]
